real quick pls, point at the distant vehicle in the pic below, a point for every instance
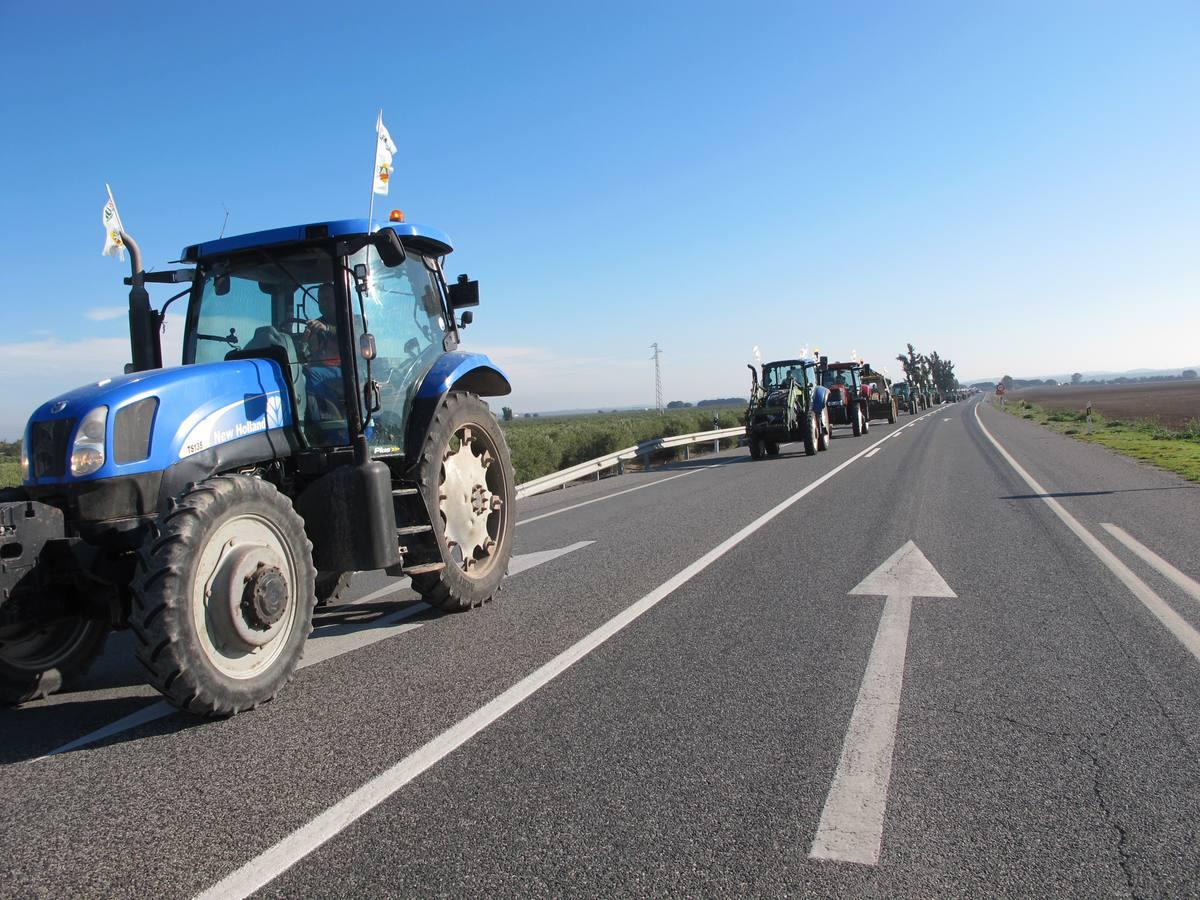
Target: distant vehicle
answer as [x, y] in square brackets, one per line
[786, 405]
[906, 397]
[847, 403]
[877, 388]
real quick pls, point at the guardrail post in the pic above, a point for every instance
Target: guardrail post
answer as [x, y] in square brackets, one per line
[686, 455]
[620, 467]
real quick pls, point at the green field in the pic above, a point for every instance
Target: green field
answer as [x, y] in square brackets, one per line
[10, 473]
[544, 445]
[1176, 450]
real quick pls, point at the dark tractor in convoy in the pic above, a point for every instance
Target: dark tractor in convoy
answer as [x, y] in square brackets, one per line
[906, 397]
[786, 405]
[878, 389]
[847, 403]
[323, 422]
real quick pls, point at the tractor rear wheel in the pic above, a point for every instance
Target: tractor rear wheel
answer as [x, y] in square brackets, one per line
[856, 421]
[37, 660]
[223, 596]
[825, 432]
[866, 416]
[891, 412]
[466, 474]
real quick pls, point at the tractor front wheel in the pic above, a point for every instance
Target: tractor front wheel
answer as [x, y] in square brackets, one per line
[811, 427]
[772, 448]
[756, 448]
[36, 660]
[466, 474]
[856, 421]
[223, 596]
[824, 432]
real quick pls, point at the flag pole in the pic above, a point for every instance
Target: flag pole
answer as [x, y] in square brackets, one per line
[371, 208]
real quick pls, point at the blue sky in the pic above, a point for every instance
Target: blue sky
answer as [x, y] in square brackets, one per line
[1016, 186]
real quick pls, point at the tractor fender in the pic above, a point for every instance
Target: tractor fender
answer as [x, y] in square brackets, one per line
[454, 371]
[820, 397]
[462, 371]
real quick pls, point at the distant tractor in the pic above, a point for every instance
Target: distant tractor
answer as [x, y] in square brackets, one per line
[323, 422]
[847, 404]
[878, 389]
[786, 405]
[906, 397]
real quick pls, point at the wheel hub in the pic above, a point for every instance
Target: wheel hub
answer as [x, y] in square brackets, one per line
[466, 502]
[265, 597]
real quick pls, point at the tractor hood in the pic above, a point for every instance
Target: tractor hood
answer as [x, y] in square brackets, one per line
[156, 418]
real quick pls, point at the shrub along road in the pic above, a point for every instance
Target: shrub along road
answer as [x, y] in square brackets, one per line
[670, 697]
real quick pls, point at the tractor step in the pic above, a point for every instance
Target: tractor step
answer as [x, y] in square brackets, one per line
[421, 570]
[414, 529]
[405, 492]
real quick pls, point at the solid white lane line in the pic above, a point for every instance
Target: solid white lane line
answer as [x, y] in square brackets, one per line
[276, 860]
[1189, 585]
[873, 452]
[325, 643]
[851, 826]
[659, 481]
[1175, 623]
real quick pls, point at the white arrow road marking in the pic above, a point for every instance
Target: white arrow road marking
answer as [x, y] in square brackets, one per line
[325, 644]
[851, 827]
[1189, 585]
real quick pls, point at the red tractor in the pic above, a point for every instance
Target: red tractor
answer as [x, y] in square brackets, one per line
[848, 402]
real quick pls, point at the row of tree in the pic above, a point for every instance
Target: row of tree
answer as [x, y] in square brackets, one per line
[928, 370]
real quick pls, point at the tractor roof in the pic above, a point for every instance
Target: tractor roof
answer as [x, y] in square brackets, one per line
[421, 237]
[843, 365]
[806, 361]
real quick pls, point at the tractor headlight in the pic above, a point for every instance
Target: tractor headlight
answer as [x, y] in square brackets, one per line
[25, 459]
[87, 453]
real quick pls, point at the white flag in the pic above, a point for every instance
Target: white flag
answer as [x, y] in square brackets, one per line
[112, 228]
[384, 148]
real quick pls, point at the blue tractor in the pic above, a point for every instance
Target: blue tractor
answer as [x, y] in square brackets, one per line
[323, 422]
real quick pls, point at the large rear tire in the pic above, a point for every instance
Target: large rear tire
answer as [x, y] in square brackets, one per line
[810, 434]
[38, 660]
[856, 421]
[223, 596]
[891, 412]
[465, 472]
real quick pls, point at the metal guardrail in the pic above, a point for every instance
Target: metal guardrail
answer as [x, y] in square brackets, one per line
[612, 460]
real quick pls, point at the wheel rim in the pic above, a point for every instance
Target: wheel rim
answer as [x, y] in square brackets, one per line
[36, 649]
[244, 596]
[471, 500]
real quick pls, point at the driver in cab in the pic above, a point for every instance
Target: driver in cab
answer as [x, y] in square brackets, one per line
[320, 337]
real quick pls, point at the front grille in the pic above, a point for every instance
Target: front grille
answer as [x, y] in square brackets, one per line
[48, 442]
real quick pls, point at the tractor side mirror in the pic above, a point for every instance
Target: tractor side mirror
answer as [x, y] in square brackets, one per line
[389, 248]
[464, 292]
[366, 345]
[467, 318]
[221, 285]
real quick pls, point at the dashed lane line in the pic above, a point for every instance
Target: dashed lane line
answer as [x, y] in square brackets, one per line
[1189, 585]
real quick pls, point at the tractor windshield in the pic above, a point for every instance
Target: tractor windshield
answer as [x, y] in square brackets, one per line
[775, 374]
[277, 301]
[403, 308]
[847, 377]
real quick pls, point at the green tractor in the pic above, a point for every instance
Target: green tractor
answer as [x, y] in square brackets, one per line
[786, 405]
[907, 397]
[881, 403]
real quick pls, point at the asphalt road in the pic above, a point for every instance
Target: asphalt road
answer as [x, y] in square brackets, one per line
[677, 693]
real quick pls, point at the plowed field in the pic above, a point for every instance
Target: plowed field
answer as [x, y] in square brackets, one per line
[1172, 404]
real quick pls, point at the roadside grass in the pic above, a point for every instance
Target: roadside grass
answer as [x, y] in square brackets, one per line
[1176, 451]
[548, 444]
[10, 473]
